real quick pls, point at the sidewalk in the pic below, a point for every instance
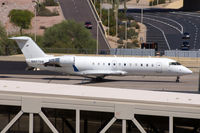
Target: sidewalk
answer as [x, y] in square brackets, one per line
[175, 4]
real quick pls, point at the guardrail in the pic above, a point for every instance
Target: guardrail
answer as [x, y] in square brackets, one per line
[98, 20]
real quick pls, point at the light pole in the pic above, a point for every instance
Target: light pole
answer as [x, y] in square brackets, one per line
[116, 22]
[142, 14]
[97, 49]
[35, 11]
[108, 21]
[117, 6]
[142, 11]
[126, 34]
[100, 9]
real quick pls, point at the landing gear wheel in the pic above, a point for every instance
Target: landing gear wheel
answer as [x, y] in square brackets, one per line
[178, 79]
[98, 79]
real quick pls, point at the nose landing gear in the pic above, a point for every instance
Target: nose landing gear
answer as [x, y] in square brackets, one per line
[177, 79]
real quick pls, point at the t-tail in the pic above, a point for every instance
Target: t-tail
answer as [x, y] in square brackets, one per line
[28, 47]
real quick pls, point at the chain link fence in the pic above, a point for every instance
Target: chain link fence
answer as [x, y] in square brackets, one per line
[133, 52]
[178, 53]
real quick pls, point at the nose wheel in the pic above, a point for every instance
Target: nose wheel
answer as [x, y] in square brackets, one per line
[177, 79]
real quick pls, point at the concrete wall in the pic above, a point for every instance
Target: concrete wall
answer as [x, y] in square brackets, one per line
[191, 5]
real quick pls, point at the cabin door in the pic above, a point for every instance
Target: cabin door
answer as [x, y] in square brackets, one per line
[158, 67]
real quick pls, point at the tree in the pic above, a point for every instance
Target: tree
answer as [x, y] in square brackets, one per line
[21, 18]
[7, 46]
[69, 34]
[3, 38]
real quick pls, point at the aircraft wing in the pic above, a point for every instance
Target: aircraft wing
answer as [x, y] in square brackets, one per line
[102, 72]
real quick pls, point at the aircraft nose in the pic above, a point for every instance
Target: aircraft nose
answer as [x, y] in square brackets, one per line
[186, 71]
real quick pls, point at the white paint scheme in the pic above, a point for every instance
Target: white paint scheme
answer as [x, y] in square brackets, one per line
[98, 67]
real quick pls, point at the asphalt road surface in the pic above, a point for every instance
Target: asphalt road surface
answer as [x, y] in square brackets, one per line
[80, 11]
[16, 71]
[172, 24]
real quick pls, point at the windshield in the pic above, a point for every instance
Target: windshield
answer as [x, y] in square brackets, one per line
[174, 63]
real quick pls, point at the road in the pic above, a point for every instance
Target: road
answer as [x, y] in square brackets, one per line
[172, 24]
[81, 12]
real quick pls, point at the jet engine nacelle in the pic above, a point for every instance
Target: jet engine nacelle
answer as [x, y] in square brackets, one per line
[60, 61]
[66, 60]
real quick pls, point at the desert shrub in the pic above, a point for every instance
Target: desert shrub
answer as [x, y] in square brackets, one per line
[50, 3]
[69, 34]
[120, 41]
[131, 34]
[21, 18]
[43, 11]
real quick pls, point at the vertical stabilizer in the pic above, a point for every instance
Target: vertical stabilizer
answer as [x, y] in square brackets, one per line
[28, 47]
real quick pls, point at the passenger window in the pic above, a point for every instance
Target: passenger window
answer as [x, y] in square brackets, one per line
[98, 63]
[141, 64]
[104, 64]
[124, 64]
[152, 65]
[93, 63]
[113, 64]
[109, 64]
[135, 64]
[146, 65]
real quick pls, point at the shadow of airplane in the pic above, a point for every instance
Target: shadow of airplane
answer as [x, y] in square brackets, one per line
[91, 81]
[87, 80]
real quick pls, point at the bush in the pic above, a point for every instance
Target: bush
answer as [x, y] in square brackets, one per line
[133, 44]
[21, 18]
[105, 18]
[43, 11]
[120, 41]
[129, 17]
[121, 32]
[112, 31]
[120, 46]
[7, 46]
[50, 3]
[122, 16]
[131, 34]
[69, 34]
[154, 2]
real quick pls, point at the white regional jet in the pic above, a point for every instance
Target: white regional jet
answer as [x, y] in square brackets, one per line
[98, 67]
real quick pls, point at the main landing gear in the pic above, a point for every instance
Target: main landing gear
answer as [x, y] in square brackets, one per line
[98, 79]
[177, 79]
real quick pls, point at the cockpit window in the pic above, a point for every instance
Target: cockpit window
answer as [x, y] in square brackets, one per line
[174, 63]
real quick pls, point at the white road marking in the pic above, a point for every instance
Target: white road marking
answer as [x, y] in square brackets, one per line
[163, 23]
[162, 33]
[169, 20]
[186, 14]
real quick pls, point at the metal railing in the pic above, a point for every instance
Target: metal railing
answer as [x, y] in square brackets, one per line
[179, 53]
[133, 52]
